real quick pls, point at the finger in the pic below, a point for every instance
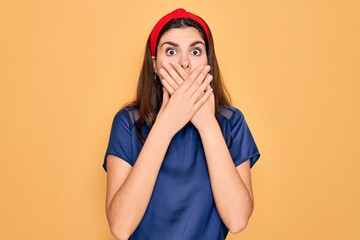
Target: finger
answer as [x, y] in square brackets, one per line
[173, 73]
[180, 70]
[202, 94]
[203, 99]
[193, 75]
[167, 87]
[201, 76]
[168, 79]
[201, 89]
[209, 86]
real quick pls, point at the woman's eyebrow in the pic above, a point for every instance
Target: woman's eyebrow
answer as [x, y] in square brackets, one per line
[196, 43]
[170, 43]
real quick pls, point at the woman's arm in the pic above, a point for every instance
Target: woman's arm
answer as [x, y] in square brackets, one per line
[231, 186]
[129, 189]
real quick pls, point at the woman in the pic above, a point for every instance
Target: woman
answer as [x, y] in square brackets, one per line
[179, 157]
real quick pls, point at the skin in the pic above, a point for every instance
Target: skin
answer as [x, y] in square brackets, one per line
[187, 97]
[187, 50]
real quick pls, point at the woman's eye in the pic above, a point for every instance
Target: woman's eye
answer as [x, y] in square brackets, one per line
[170, 51]
[196, 52]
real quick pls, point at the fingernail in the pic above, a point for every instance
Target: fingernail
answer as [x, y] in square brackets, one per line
[165, 63]
[207, 68]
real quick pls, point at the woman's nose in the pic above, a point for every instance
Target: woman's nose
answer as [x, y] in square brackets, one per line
[184, 62]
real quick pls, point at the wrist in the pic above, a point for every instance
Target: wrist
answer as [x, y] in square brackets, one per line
[209, 124]
[163, 129]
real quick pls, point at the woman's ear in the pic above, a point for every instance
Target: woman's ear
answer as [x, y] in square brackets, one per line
[154, 64]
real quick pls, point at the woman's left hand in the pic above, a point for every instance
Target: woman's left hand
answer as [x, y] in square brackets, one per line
[174, 75]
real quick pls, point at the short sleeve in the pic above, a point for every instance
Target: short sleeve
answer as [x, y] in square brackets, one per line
[243, 145]
[120, 143]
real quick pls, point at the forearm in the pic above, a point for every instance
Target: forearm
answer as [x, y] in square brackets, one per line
[232, 198]
[129, 204]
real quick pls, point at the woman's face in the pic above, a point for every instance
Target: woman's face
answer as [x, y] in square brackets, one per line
[184, 46]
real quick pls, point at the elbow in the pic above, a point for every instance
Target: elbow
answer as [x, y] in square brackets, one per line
[238, 226]
[119, 233]
[240, 222]
[117, 229]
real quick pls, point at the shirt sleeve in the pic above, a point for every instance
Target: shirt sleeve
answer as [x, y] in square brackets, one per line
[120, 144]
[243, 146]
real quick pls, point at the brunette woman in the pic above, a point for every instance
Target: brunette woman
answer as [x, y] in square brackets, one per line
[179, 157]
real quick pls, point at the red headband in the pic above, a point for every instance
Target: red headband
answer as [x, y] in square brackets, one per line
[178, 13]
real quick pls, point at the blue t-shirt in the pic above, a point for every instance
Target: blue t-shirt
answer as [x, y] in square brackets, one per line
[182, 204]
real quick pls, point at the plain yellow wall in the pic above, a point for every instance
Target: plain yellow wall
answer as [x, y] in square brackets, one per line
[292, 67]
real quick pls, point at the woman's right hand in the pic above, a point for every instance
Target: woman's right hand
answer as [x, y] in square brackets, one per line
[178, 110]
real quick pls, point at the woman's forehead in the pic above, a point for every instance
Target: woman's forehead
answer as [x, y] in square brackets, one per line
[179, 35]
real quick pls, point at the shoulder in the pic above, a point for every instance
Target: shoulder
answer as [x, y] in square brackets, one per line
[230, 113]
[127, 115]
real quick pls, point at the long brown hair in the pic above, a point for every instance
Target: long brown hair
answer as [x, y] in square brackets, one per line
[149, 90]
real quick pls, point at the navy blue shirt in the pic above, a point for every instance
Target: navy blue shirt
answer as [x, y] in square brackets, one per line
[182, 204]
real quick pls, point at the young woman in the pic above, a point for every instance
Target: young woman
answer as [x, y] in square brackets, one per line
[179, 157]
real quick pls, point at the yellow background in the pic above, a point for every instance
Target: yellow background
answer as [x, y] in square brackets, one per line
[292, 67]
